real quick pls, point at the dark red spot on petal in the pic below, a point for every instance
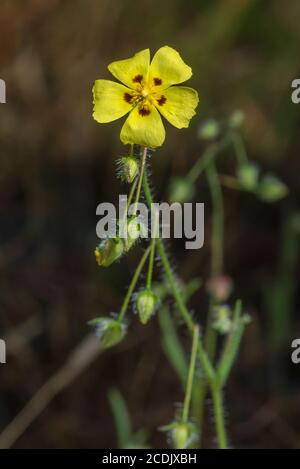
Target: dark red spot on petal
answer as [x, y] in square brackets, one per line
[144, 111]
[137, 79]
[161, 101]
[128, 97]
[157, 81]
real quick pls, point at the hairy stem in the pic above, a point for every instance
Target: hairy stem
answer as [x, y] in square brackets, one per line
[141, 177]
[133, 284]
[219, 416]
[151, 263]
[204, 359]
[190, 379]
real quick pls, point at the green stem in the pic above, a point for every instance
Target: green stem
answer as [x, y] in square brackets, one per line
[206, 159]
[210, 339]
[190, 380]
[123, 225]
[142, 170]
[131, 194]
[217, 242]
[172, 345]
[133, 284]
[239, 147]
[151, 263]
[174, 285]
[232, 345]
[219, 416]
[217, 221]
[165, 261]
[204, 360]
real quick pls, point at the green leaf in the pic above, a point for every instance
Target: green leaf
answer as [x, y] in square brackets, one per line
[121, 417]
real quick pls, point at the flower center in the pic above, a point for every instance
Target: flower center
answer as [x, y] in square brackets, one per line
[144, 92]
[145, 95]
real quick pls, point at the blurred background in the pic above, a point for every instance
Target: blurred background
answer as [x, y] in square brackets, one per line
[57, 164]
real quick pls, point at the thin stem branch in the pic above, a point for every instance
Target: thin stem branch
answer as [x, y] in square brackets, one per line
[239, 147]
[218, 220]
[232, 345]
[174, 285]
[131, 193]
[208, 156]
[190, 380]
[133, 284]
[219, 416]
[141, 177]
[123, 224]
[151, 263]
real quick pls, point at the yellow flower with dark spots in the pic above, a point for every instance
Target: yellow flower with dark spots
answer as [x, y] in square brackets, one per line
[147, 91]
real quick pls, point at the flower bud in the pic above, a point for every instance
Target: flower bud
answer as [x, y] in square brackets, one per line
[146, 303]
[222, 322]
[128, 168]
[236, 119]
[248, 176]
[110, 331]
[135, 229]
[180, 190]
[271, 189]
[220, 287]
[108, 251]
[183, 435]
[209, 130]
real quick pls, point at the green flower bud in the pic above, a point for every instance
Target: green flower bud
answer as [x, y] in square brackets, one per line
[135, 229]
[209, 130]
[183, 435]
[222, 322]
[180, 190]
[236, 119]
[146, 303]
[108, 251]
[128, 168]
[271, 189]
[248, 176]
[110, 331]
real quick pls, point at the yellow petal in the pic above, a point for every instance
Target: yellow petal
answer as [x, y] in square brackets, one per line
[143, 127]
[111, 100]
[134, 71]
[177, 104]
[167, 68]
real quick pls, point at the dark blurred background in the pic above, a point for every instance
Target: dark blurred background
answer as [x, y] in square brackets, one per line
[57, 164]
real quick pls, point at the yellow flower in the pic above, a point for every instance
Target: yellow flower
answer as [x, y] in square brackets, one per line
[147, 91]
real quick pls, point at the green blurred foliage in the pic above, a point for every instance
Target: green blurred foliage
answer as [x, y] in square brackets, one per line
[57, 164]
